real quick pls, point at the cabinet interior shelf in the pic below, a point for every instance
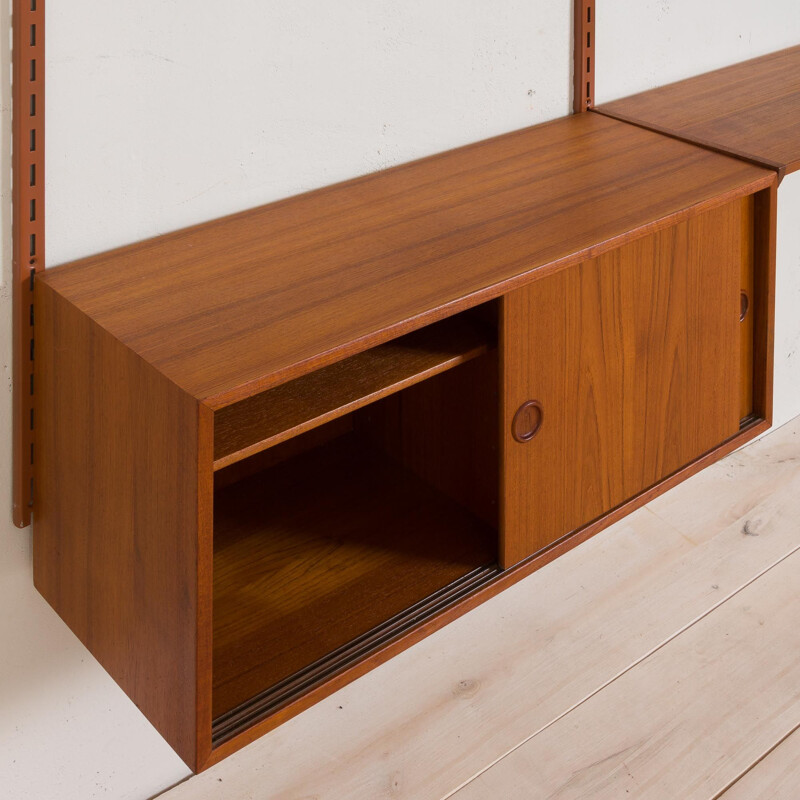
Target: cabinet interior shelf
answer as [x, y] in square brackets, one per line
[256, 423]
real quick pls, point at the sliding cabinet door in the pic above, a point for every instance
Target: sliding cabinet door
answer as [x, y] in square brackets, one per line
[619, 371]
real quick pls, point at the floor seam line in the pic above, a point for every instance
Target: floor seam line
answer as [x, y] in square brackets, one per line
[752, 766]
[627, 669]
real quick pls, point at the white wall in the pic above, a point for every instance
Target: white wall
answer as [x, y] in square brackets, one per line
[161, 114]
[645, 43]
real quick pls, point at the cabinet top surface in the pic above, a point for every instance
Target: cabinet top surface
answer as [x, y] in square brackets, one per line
[750, 108]
[234, 306]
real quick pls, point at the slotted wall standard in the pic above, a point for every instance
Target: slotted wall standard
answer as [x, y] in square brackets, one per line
[28, 234]
[583, 56]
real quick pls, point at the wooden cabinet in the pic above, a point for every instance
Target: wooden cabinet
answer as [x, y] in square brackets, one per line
[278, 448]
[634, 361]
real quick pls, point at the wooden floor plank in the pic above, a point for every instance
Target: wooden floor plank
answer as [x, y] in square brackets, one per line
[684, 723]
[776, 777]
[422, 724]
[731, 489]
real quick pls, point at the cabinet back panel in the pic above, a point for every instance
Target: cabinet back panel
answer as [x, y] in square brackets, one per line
[634, 357]
[445, 430]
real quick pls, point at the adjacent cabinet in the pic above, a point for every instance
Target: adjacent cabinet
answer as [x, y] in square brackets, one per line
[275, 449]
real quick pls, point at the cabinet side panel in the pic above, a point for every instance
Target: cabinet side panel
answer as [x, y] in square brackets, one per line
[747, 326]
[765, 231]
[635, 361]
[116, 512]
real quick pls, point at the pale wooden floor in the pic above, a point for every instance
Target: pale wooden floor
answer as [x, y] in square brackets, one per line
[661, 659]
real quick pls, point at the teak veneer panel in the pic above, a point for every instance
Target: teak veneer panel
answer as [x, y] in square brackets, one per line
[750, 109]
[635, 361]
[120, 517]
[242, 304]
[313, 553]
[266, 419]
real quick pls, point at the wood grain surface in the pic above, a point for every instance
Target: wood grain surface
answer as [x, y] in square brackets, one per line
[238, 305]
[749, 109]
[118, 524]
[635, 360]
[249, 426]
[311, 555]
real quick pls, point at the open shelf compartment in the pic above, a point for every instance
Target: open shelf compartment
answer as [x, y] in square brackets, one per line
[334, 542]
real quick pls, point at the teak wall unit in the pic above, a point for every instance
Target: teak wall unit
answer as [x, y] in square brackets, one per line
[277, 448]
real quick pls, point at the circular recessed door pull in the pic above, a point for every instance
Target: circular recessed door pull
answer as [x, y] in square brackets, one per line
[527, 421]
[744, 306]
